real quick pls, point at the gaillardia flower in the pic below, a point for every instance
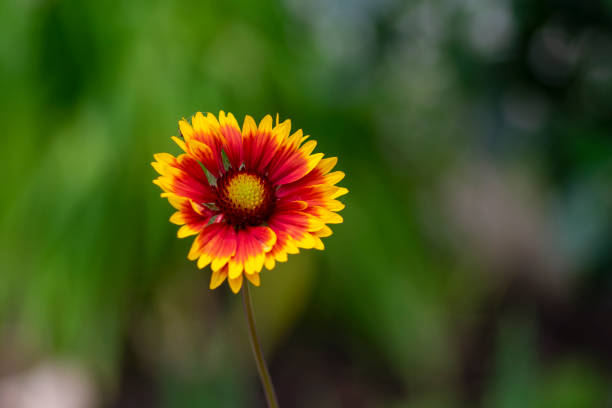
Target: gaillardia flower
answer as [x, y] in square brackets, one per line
[251, 196]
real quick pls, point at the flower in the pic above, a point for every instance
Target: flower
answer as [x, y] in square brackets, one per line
[251, 196]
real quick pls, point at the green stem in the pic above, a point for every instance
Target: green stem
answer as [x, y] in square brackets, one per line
[264, 374]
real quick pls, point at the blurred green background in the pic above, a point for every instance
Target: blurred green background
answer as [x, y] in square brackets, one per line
[474, 265]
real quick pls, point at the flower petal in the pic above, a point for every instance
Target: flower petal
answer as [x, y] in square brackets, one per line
[232, 139]
[235, 283]
[218, 277]
[216, 244]
[254, 278]
[184, 177]
[251, 245]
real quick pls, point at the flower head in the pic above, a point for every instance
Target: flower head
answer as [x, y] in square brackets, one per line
[251, 195]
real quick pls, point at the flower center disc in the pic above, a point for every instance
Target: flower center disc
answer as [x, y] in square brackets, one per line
[245, 198]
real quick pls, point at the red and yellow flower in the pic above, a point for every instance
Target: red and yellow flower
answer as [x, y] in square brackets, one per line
[252, 195]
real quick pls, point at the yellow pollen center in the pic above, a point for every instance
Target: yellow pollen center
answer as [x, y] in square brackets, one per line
[246, 191]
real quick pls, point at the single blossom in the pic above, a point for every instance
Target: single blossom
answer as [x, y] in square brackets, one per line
[252, 195]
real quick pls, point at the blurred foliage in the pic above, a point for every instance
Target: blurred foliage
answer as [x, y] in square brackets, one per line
[473, 267]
